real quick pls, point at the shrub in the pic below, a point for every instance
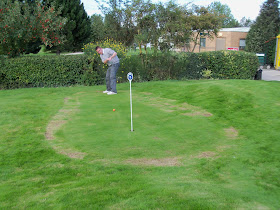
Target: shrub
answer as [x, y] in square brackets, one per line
[94, 57]
[89, 49]
[46, 71]
[221, 64]
[230, 64]
[53, 71]
[189, 66]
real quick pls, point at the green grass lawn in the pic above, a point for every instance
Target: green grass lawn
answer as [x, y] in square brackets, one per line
[208, 144]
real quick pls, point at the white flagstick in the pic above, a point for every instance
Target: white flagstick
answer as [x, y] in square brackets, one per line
[131, 107]
[130, 77]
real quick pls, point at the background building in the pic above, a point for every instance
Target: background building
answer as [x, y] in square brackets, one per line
[227, 39]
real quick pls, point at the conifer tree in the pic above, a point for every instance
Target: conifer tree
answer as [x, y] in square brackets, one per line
[261, 37]
[77, 29]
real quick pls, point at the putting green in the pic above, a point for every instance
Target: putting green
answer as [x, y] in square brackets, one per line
[166, 132]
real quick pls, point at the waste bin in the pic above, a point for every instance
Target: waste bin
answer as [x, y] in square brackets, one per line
[261, 57]
[258, 75]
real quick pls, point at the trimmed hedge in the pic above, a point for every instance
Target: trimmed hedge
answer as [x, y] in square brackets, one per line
[54, 71]
[46, 71]
[231, 64]
[179, 66]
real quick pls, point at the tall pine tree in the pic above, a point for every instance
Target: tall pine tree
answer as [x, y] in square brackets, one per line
[77, 29]
[261, 37]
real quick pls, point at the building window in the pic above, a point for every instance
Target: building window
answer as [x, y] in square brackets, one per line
[242, 44]
[203, 42]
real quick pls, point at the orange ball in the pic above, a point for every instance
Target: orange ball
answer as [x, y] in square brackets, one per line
[114, 110]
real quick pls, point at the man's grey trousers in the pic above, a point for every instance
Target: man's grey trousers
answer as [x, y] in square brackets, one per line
[111, 79]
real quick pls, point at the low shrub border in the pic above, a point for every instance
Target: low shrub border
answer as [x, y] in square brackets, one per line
[46, 71]
[180, 66]
[54, 71]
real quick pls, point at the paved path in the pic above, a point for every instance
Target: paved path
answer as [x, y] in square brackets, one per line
[75, 53]
[271, 75]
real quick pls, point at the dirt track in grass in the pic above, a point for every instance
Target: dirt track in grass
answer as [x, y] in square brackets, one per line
[69, 108]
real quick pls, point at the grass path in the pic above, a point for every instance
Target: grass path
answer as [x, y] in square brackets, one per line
[196, 145]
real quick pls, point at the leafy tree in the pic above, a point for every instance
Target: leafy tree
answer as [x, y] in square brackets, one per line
[128, 26]
[129, 21]
[20, 24]
[161, 25]
[202, 23]
[112, 21]
[244, 22]
[119, 20]
[224, 12]
[97, 28]
[77, 29]
[112, 25]
[146, 23]
[261, 37]
[173, 22]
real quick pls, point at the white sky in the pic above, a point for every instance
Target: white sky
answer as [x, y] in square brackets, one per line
[239, 8]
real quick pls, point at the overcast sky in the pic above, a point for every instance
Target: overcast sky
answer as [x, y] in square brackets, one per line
[239, 8]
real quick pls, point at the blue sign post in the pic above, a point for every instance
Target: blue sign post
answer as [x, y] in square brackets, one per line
[130, 77]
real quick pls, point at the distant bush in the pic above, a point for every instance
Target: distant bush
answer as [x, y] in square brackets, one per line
[89, 49]
[94, 57]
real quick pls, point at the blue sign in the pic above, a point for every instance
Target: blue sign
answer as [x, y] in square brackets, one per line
[129, 76]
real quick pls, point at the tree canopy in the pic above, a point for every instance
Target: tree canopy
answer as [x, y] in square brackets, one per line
[77, 29]
[224, 12]
[203, 23]
[21, 24]
[97, 28]
[162, 25]
[245, 22]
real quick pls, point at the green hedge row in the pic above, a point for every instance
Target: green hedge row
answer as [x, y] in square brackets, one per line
[46, 71]
[216, 65]
[53, 71]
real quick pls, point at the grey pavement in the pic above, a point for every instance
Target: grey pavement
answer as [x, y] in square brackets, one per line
[74, 53]
[270, 75]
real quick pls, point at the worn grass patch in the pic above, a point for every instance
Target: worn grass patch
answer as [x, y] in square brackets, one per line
[231, 133]
[154, 162]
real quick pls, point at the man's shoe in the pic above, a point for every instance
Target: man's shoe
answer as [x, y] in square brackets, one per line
[106, 91]
[111, 93]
